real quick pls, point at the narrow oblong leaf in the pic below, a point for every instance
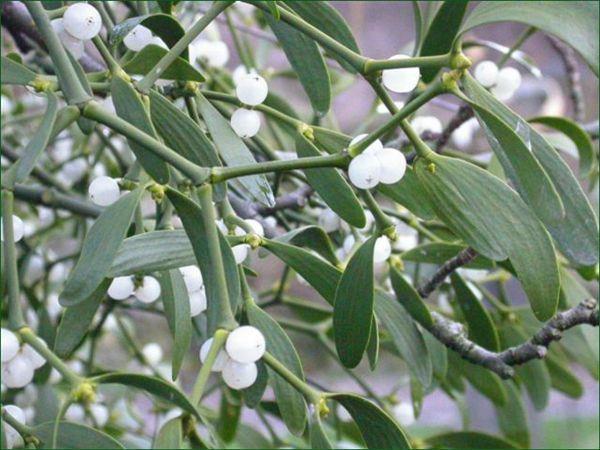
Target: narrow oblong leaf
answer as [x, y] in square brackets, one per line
[155, 386]
[146, 59]
[130, 108]
[234, 151]
[331, 186]
[410, 298]
[170, 435]
[306, 60]
[408, 192]
[99, 249]
[561, 377]
[481, 327]
[14, 73]
[291, 403]
[317, 436]
[440, 252]
[329, 140]
[176, 303]
[372, 349]
[512, 417]
[353, 305]
[492, 218]
[486, 382]
[469, 439]
[377, 428]
[311, 237]
[76, 320]
[254, 394]
[74, 435]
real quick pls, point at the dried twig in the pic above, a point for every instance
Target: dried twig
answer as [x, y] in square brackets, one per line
[465, 112]
[567, 54]
[464, 257]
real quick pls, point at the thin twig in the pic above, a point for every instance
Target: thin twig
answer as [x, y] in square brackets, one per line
[567, 54]
[464, 257]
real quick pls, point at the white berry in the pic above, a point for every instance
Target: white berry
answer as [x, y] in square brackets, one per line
[138, 38]
[12, 436]
[431, 124]
[75, 413]
[256, 227]
[372, 148]
[34, 357]
[401, 80]
[220, 360]
[329, 220]
[245, 344]
[148, 291]
[121, 288]
[197, 302]
[214, 53]
[192, 277]
[10, 345]
[104, 191]
[239, 375]
[153, 353]
[383, 249]
[18, 372]
[393, 165]
[404, 413]
[82, 21]
[75, 46]
[240, 253]
[509, 80]
[100, 414]
[18, 229]
[364, 171]
[486, 73]
[240, 72]
[252, 90]
[245, 122]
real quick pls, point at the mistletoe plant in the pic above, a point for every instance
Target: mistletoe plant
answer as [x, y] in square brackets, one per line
[408, 251]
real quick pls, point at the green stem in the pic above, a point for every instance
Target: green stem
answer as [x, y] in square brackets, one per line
[171, 56]
[68, 80]
[219, 174]
[244, 57]
[15, 315]
[518, 43]
[61, 413]
[111, 62]
[375, 65]
[196, 173]
[217, 344]
[25, 431]
[313, 396]
[383, 222]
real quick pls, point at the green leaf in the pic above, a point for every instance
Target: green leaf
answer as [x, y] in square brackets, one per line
[248, 437]
[317, 437]
[533, 375]
[585, 147]
[576, 234]
[155, 386]
[99, 249]
[192, 218]
[372, 349]
[408, 192]
[290, 401]
[512, 417]
[229, 414]
[410, 298]
[87, 126]
[519, 163]
[328, 20]
[442, 30]
[164, 26]
[176, 303]
[306, 60]
[14, 73]
[486, 382]
[234, 151]
[377, 428]
[439, 356]
[183, 135]
[130, 108]
[561, 377]
[440, 252]
[329, 140]
[331, 186]
[76, 320]
[73, 435]
[146, 59]
[170, 435]
[312, 237]
[353, 306]
[469, 439]
[481, 327]
[25, 164]
[254, 394]
[576, 23]
[491, 218]
[406, 337]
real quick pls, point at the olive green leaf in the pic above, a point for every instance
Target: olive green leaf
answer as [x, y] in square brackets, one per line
[229, 414]
[512, 416]
[408, 192]
[146, 59]
[254, 394]
[331, 186]
[13, 72]
[99, 249]
[170, 435]
[317, 436]
[440, 252]
[311, 237]
[469, 439]
[486, 382]
[74, 435]
[372, 349]
[561, 377]
[410, 298]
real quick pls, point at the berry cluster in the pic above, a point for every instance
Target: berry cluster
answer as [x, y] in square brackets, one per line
[240, 251]
[146, 291]
[19, 362]
[376, 164]
[80, 22]
[237, 362]
[251, 89]
[503, 83]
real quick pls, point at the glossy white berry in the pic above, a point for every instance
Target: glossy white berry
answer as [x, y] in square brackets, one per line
[404, 413]
[10, 345]
[148, 291]
[82, 21]
[252, 89]
[220, 360]
[12, 436]
[486, 73]
[240, 72]
[349, 243]
[431, 124]
[138, 38]
[329, 220]
[509, 80]
[463, 135]
[245, 122]
[75, 46]
[100, 414]
[406, 237]
[18, 229]
[34, 357]
[364, 171]
[239, 375]
[383, 249]
[240, 253]
[213, 53]
[245, 344]
[18, 372]
[153, 353]
[393, 165]
[197, 302]
[104, 191]
[270, 222]
[75, 413]
[121, 288]
[372, 148]
[256, 227]
[192, 277]
[401, 80]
